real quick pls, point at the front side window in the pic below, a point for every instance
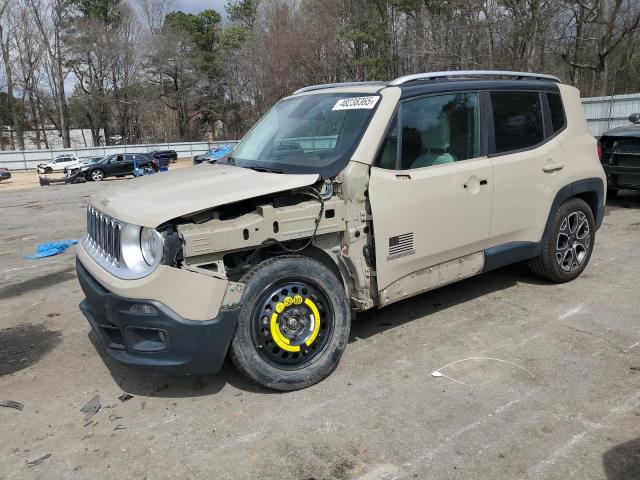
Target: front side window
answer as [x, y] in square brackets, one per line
[307, 134]
[435, 130]
[517, 119]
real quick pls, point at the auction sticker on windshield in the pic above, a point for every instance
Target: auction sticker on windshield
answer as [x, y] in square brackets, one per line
[354, 103]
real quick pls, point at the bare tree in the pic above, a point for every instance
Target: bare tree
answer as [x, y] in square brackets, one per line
[7, 47]
[50, 19]
[610, 22]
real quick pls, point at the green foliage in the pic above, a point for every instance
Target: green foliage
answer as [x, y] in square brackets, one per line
[233, 37]
[107, 11]
[201, 29]
[5, 118]
[243, 11]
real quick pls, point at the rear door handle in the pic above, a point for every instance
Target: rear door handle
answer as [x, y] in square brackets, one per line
[552, 166]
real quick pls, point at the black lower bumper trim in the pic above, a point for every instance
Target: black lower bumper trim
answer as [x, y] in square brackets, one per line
[148, 334]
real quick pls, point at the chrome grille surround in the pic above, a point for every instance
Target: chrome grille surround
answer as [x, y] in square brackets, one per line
[115, 246]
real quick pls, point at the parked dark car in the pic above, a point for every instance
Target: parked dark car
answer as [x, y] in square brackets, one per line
[165, 155]
[118, 165]
[620, 156]
[5, 174]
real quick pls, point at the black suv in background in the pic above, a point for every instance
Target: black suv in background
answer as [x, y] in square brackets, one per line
[118, 165]
[620, 156]
[166, 155]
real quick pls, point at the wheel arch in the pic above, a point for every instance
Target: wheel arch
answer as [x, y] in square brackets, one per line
[327, 260]
[591, 190]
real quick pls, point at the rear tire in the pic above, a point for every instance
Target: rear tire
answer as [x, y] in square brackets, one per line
[567, 250]
[293, 325]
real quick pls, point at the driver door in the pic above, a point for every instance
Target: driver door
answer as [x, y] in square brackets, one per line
[431, 191]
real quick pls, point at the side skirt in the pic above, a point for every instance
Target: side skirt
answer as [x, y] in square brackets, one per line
[432, 277]
[508, 253]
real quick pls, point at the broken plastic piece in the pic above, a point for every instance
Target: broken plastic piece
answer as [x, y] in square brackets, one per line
[91, 407]
[12, 404]
[38, 461]
[124, 397]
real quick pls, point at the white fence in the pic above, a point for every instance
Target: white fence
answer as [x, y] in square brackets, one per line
[29, 159]
[605, 113]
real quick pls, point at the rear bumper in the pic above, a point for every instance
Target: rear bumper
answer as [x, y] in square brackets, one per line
[151, 335]
[623, 177]
[5, 176]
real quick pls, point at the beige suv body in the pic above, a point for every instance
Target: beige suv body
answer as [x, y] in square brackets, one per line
[323, 210]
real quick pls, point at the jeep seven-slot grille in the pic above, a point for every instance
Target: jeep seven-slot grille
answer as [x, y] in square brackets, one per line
[104, 233]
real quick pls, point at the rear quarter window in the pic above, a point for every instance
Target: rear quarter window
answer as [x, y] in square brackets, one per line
[558, 120]
[517, 118]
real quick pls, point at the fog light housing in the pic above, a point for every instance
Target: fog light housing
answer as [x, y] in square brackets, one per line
[146, 339]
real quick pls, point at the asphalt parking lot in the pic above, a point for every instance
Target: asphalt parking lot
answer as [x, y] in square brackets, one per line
[381, 415]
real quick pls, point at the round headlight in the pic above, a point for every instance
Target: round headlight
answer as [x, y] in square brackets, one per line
[151, 245]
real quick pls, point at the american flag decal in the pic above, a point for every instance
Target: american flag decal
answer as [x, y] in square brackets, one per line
[401, 245]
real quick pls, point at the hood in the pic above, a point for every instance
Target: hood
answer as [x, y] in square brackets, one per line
[626, 131]
[152, 200]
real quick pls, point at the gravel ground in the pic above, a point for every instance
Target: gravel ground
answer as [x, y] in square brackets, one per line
[381, 415]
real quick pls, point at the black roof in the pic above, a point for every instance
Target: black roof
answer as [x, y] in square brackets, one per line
[626, 131]
[416, 88]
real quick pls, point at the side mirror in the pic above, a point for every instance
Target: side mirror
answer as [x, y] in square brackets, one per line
[634, 118]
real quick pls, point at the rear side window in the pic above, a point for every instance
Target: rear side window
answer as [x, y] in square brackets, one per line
[557, 111]
[517, 118]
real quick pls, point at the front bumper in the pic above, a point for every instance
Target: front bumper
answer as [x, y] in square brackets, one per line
[162, 340]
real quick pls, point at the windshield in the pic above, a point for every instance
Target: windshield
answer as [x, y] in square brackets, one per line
[307, 134]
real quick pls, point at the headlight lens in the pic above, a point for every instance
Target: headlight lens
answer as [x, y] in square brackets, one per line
[151, 245]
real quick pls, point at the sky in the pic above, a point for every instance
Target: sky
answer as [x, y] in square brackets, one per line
[196, 6]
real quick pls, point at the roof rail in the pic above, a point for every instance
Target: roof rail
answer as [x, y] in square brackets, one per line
[338, 85]
[472, 73]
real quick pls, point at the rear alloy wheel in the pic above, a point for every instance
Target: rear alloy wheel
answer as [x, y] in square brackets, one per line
[567, 250]
[97, 175]
[294, 323]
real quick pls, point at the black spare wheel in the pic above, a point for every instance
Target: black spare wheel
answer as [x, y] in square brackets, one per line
[293, 325]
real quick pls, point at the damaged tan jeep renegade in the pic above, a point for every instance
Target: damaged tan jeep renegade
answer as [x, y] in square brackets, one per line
[342, 198]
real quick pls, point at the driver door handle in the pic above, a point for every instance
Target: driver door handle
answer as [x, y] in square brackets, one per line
[552, 166]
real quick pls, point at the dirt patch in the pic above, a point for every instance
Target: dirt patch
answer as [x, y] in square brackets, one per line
[25, 345]
[37, 283]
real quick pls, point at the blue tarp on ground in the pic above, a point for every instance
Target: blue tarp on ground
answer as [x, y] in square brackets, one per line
[50, 249]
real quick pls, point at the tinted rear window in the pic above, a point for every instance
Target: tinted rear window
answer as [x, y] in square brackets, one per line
[517, 118]
[557, 111]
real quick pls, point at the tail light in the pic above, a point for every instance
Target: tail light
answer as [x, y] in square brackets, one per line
[599, 151]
